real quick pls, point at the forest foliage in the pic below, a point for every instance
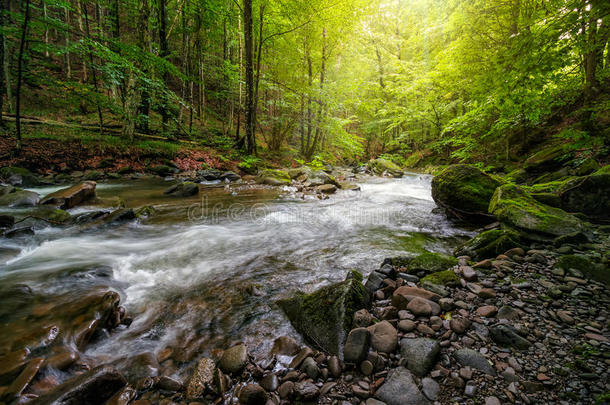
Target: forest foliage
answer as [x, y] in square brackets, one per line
[348, 79]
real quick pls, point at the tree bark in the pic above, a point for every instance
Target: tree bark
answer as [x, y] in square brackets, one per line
[163, 53]
[2, 86]
[93, 73]
[250, 113]
[24, 30]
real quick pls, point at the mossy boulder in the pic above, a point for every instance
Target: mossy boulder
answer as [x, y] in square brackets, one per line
[273, 177]
[547, 159]
[446, 278]
[163, 170]
[19, 176]
[464, 191]
[587, 166]
[515, 208]
[596, 271]
[603, 170]
[324, 317]
[19, 198]
[430, 262]
[589, 195]
[53, 215]
[382, 166]
[551, 199]
[489, 244]
[70, 197]
[517, 176]
[184, 189]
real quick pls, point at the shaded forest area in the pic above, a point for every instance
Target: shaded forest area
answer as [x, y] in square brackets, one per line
[422, 83]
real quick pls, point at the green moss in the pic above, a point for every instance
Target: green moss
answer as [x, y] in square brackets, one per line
[431, 262]
[162, 170]
[589, 195]
[546, 158]
[517, 176]
[324, 317]
[587, 166]
[489, 244]
[464, 190]
[27, 177]
[604, 170]
[550, 199]
[379, 166]
[274, 177]
[447, 278]
[513, 206]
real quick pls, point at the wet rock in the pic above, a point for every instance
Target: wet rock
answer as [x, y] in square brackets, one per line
[325, 316]
[19, 232]
[384, 337]
[356, 346]
[62, 360]
[123, 397]
[252, 394]
[306, 391]
[384, 167]
[310, 367]
[400, 389]
[362, 318]
[492, 401]
[489, 244]
[11, 364]
[184, 189]
[273, 177]
[300, 357]
[474, 359]
[420, 354]
[366, 367]
[406, 325]
[166, 383]
[93, 387]
[72, 196]
[286, 389]
[6, 221]
[334, 366]
[233, 360]
[430, 262]
[487, 311]
[327, 188]
[270, 382]
[23, 380]
[19, 176]
[509, 313]
[285, 345]
[507, 335]
[230, 176]
[203, 376]
[19, 198]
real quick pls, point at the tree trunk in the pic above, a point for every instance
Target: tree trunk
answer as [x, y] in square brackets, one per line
[163, 53]
[93, 73]
[250, 113]
[24, 30]
[2, 86]
[68, 64]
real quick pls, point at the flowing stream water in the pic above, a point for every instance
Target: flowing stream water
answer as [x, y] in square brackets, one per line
[205, 271]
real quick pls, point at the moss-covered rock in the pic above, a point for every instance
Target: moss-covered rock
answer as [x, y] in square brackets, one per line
[517, 176]
[596, 271]
[184, 189]
[546, 159]
[464, 191]
[380, 166]
[514, 207]
[551, 199]
[603, 170]
[589, 195]
[19, 198]
[19, 176]
[489, 244]
[70, 197]
[587, 166]
[430, 262]
[555, 175]
[54, 215]
[163, 170]
[324, 317]
[446, 278]
[273, 177]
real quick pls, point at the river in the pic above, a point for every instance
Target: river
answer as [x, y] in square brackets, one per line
[204, 272]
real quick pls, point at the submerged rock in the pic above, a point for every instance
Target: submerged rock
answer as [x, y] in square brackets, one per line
[184, 189]
[72, 196]
[93, 387]
[514, 207]
[324, 317]
[465, 192]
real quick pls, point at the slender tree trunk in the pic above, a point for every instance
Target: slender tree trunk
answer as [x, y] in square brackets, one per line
[144, 45]
[250, 113]
[241, 67]
[46, 29]
[67, 44]
[81, 28]
[258, 59]
[93, 73]
[24, 29]
[2, 86]
[163, 52]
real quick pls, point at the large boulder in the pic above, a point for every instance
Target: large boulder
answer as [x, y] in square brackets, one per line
[547, 159]
[464, 192]
[589, 195]
[430, 262]
[382, 166]
[324, 317]
[19, 198]
[184, 189]
[274, 177]
[67, 198]
[19, 176]
[514, 207]
[489, 244]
